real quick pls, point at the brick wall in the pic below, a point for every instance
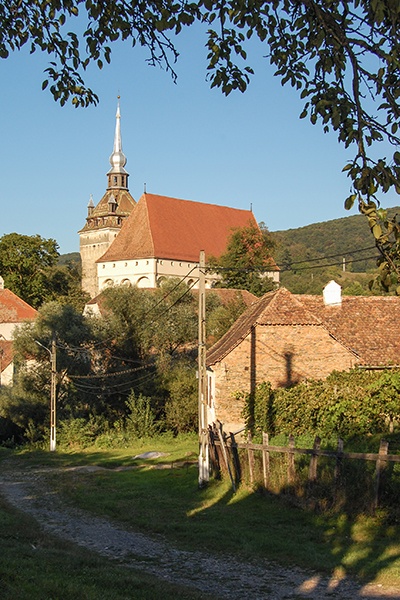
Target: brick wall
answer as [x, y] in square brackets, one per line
[283, 355]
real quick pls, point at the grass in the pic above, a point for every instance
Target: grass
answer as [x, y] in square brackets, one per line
[248, 524]
[35, 565]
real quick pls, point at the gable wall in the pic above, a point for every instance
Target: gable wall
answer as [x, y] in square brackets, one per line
[283, 355]
[7, 330]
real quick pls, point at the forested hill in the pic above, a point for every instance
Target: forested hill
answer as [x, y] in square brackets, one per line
[342, 249]
[348, 237]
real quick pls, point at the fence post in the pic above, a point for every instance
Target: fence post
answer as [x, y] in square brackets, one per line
[291, 470]
[339, 461]
[250, 455]
[235, 459]
[213, 453]
[225, 455]
[312, 471]
[381, 465]
[265, 458]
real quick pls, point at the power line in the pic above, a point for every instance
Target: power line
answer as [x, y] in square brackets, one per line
[349, 252]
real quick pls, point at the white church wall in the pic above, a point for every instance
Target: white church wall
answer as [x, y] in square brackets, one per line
[148, 273]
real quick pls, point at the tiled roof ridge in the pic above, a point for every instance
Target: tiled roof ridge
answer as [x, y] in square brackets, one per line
[282, 291]
[243, 326]
[162, 196]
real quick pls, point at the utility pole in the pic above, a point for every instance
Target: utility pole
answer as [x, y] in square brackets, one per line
[53, 393]
[204, 473]
[53, 389]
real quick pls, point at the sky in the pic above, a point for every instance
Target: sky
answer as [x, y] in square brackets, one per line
[183, 140]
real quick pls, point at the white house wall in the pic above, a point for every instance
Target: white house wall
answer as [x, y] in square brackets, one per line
[7, 329]
[7, 375]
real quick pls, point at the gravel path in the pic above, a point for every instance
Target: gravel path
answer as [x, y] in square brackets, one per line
[223, 577]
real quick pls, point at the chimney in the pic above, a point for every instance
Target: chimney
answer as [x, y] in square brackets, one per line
[1, 283]
[332, 294]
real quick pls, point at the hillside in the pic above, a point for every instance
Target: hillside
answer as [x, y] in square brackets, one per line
[342, 249]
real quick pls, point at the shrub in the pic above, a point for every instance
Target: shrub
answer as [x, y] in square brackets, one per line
[181, 407]
[345, 405]
[141, 419]
[80, 433]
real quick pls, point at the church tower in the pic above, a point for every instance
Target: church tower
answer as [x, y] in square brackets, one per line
[104, 221]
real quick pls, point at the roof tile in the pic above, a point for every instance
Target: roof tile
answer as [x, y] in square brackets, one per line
[165, 227]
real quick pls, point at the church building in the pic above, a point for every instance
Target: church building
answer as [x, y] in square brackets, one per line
[125, 242]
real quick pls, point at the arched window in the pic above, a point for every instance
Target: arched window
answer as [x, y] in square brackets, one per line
[108, 283]
[143, 282]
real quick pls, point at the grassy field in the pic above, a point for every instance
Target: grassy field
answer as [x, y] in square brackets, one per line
[151, 498]
[36, 566]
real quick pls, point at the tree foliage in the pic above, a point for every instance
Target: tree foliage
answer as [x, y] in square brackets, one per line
[26, 403]
[24, 264]
[342, 57]
[29, 267]
[246, 261]
[346, 404]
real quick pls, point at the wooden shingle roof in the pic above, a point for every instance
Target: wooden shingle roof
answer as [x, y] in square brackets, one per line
[163, 227]
[368, 326]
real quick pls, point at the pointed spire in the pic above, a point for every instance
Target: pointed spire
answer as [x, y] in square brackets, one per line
[90, 205]
[117, 175]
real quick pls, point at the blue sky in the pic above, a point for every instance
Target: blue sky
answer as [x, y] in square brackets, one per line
[182, 140]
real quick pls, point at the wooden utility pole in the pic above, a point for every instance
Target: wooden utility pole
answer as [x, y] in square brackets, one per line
[204, 472]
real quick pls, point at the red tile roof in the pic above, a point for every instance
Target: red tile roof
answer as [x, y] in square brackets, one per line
[368, 326]
[163, 227]
[6, 354]
[13, 309]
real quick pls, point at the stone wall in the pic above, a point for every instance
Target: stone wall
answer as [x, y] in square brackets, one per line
[283, 355]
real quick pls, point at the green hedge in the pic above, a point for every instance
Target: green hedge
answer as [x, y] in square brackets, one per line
[345, 404]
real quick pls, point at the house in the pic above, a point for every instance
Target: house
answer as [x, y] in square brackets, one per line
[125, 242]
[13, 312]
[285, 338]
[6, 362]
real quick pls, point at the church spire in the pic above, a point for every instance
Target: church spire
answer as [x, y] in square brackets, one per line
[117, 176]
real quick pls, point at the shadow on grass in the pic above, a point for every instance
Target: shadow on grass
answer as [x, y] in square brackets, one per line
[161, 496]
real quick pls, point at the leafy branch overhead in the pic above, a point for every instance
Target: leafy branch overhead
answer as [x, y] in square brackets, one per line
[342, 56]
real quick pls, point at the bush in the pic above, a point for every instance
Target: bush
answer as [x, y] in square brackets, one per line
[181, 407]
[141, 419]
[80, 433]
[344, 405]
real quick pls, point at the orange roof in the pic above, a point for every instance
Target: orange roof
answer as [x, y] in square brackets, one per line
[368, 326]
[162, 227]
[13, 309]
[6, 354]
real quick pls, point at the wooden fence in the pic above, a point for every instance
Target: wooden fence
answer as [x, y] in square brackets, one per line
[224, 453]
